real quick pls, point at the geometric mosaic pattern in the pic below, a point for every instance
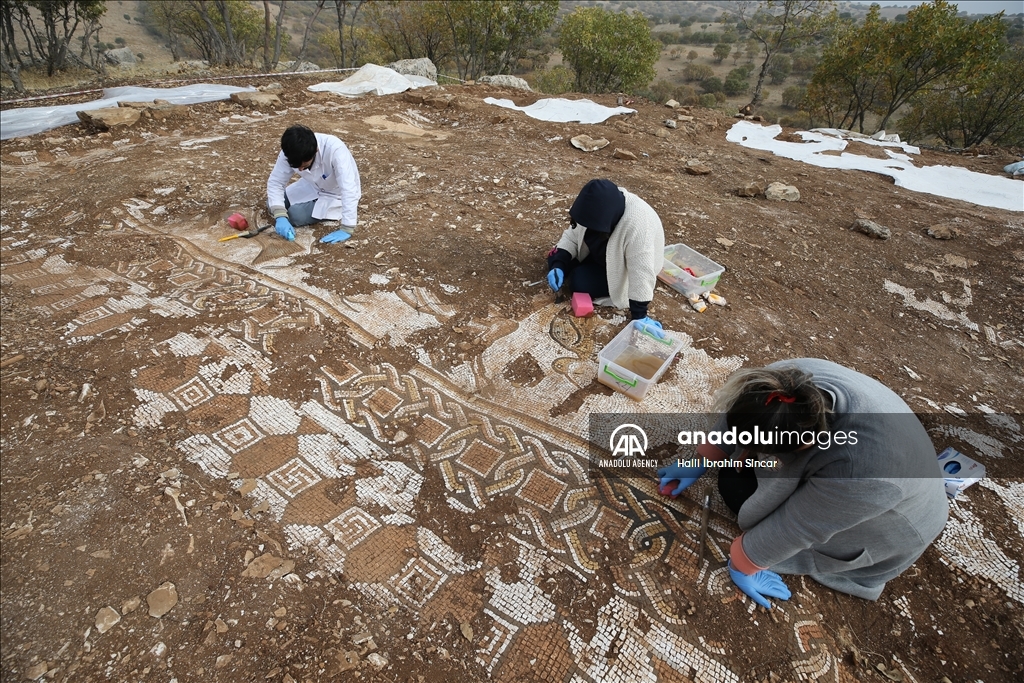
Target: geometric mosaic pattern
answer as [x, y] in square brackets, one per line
[347, 483]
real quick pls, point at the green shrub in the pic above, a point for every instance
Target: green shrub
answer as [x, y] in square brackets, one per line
[554, 81]
[711, 85]
[707, 100]
[697, 72]
[793, 96]
[736, 82]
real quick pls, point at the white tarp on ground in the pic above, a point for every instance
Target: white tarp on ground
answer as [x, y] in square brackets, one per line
[945, 181]
[560, 110]
[16, 123]
[371, 78]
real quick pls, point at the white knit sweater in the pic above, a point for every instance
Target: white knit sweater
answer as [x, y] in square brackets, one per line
[635, 253]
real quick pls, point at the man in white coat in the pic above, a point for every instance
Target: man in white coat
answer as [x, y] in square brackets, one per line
[328, 187]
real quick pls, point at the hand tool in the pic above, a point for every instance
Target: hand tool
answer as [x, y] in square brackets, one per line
[244, 235]
[704, 512]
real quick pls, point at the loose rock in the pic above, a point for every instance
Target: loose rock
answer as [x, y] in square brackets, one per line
[262, 566]
[943, 232]
[256, 99]
[109, 117]
[587, 143]
[624, 154]
[697, 167]
[162, 600]
[750, 190]
[106, 619]
[782, 192]
[871, 228]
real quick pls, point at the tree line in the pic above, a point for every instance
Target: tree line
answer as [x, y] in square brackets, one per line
[933, 72]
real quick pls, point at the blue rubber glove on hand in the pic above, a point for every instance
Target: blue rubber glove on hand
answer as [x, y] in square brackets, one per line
[284, 228]
[555, 279]
[758, 585]
[649, 325]
[336, 236]
[672, 473]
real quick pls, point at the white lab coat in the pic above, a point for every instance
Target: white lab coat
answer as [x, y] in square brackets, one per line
[332, 180]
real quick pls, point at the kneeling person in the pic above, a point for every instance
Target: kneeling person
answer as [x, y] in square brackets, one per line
[328, 187]
[614, 247]
[850, 512]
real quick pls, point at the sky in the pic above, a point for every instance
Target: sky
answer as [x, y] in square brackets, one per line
[970, 6]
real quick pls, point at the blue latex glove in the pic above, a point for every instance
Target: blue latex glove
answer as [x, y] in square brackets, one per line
[684, 475]
[284, 228]
[555, 278]
[649, 325]
[758, 585]
[336, 236]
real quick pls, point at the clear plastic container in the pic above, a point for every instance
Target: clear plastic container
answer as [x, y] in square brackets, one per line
[703, 273]
[634, 360]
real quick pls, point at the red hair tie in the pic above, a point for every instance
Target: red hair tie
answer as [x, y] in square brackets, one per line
[779, 395]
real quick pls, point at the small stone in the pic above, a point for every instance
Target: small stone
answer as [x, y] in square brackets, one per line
[220, 626]
[670, 123]
[376, 661]
[588, 144]
[697, 167]
[781, 192]
[624, 154]
[750, 190]
[943, 232]
[131, 604]
[261, 567]
[222, 661]
[467, 631]
[969, 603]
[672, 103]
[37, 671]
[255, 100]
[871, 229]
[106, 619]
[280, 612]
[162, 600]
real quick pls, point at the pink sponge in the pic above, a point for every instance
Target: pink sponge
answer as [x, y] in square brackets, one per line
[238, 222]
[582, 305]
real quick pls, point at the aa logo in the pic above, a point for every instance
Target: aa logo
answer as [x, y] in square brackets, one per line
[630, 443]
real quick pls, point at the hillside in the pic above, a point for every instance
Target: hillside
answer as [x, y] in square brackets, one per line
[367, 461]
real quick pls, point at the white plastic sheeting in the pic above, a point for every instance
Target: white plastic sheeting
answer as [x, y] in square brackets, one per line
[371, 78]
[16, 123]
[560, 110]
[945, 181]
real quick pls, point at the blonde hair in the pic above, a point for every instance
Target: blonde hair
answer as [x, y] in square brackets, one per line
[782, 398]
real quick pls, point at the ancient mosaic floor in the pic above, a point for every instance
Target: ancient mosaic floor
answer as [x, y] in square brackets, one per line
[348, 485]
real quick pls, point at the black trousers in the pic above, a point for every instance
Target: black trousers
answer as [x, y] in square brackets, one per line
[735, 486]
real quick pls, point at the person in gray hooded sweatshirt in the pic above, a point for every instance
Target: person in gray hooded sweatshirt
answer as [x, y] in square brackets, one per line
[845, 485]
[614, 247]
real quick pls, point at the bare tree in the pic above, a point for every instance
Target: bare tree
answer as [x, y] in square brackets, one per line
[270, 62]
[780, 24]
[341, 8]
[309, 27]
[51, 41]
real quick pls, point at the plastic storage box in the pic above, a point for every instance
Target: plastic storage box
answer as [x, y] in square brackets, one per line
[705, 272]
[635, 360]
